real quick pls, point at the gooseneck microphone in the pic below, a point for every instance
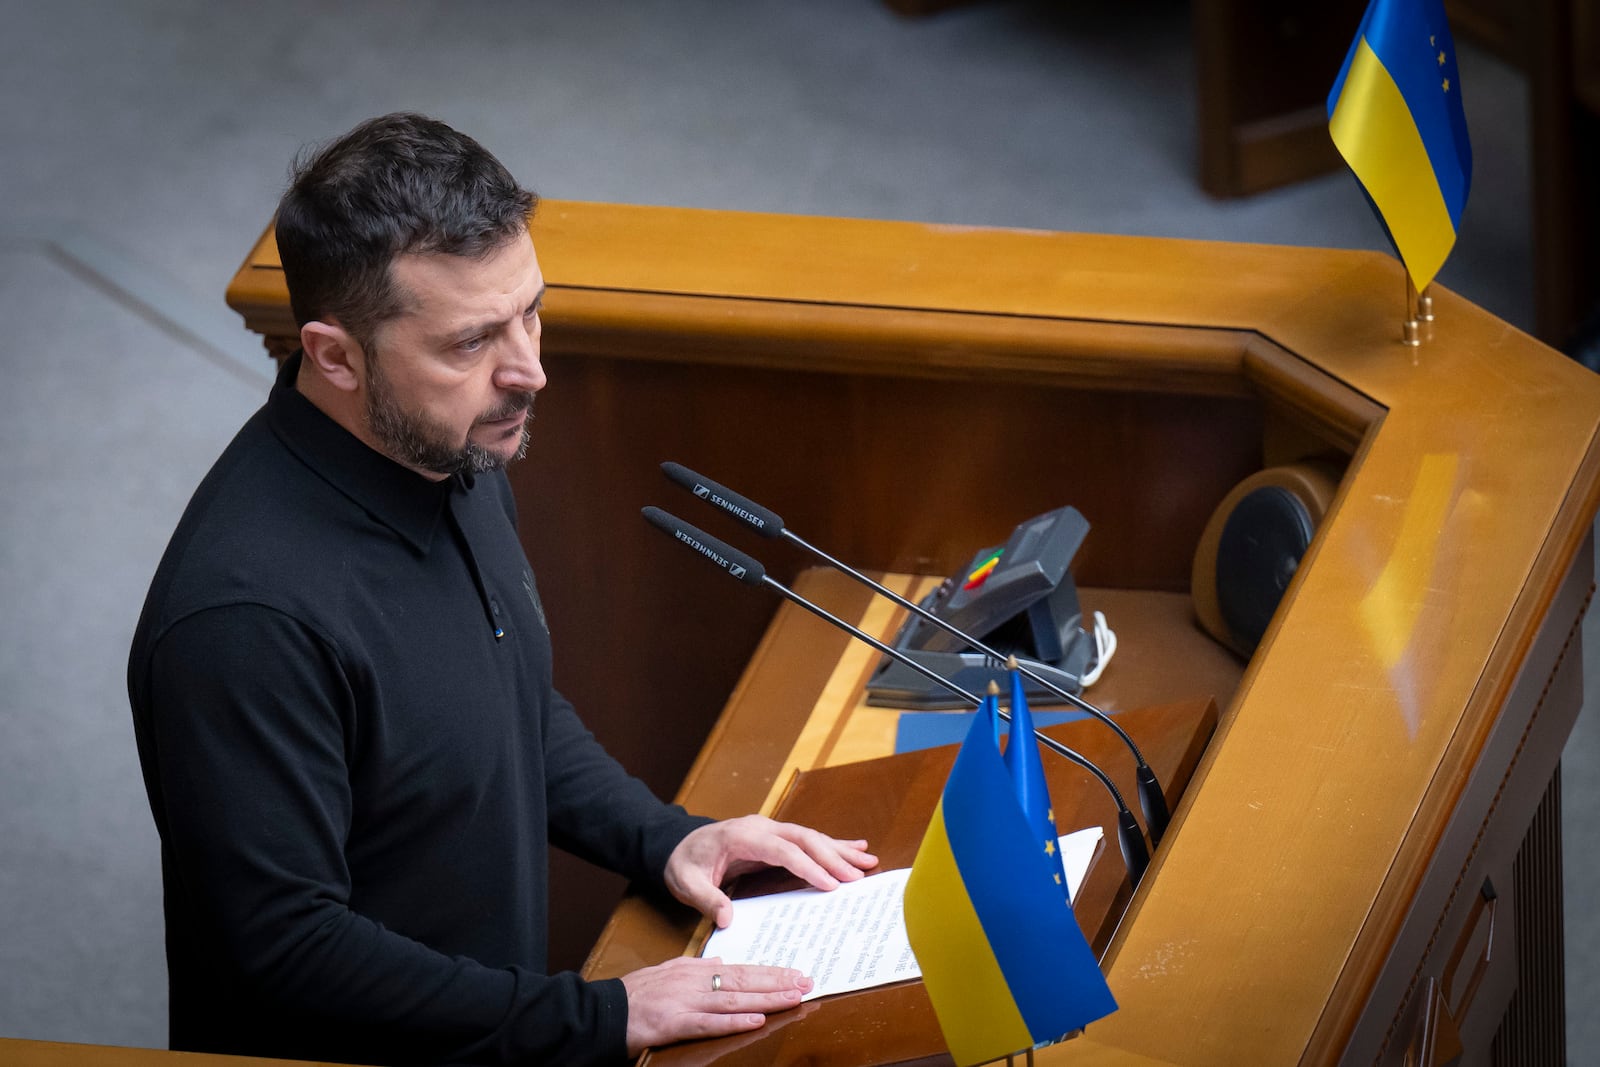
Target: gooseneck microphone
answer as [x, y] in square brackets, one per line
[767, 523]
[750, 571]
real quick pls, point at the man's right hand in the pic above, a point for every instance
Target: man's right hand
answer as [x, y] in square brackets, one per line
[688, 998]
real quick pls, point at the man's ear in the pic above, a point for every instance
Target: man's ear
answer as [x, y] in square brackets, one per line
[337, 357]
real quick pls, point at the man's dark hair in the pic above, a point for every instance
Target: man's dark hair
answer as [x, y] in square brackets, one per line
[396, 184]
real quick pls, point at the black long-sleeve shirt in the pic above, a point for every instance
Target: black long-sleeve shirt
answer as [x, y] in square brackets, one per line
[356, 761]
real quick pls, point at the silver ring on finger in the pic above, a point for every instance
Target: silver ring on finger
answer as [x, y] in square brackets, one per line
[716, 983]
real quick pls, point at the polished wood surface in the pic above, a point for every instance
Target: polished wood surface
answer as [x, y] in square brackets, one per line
[1391, 738]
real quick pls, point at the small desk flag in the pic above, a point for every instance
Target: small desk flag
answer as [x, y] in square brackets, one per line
[1003, 959]
[1395, 115]
[1027, 776]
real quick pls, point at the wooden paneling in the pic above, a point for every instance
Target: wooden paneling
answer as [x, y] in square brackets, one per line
[1534, 1029]
[907, 473]
[1586, 55]
[1263, 70]
[1563, 65]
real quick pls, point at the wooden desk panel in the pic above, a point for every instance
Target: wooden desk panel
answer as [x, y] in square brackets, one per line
[67, 1054]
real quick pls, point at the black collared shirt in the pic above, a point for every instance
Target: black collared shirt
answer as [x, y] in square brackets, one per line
[356, 761]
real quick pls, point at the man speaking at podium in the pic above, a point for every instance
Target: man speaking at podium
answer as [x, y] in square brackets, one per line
[341, 680]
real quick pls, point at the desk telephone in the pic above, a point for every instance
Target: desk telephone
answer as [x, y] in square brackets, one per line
[1017, 598]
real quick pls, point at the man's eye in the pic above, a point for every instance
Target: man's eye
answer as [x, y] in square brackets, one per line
[472, 345]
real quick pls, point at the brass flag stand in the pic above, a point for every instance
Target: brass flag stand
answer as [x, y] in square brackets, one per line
[1418, 325]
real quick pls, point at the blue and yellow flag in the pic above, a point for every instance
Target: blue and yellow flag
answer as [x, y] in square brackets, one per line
[1003, 959]
[1027, 778]
[1395, 115]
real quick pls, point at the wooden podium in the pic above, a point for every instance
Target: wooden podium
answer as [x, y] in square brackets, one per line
[903, 393]
[1381, 792]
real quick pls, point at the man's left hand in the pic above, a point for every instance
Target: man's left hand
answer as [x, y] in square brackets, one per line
[709, 856]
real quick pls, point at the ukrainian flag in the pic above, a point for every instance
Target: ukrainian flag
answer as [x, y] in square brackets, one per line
[1395, 115]
[1002, 957]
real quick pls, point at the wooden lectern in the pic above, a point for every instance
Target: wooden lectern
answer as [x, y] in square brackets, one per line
[1365, 864]
[902, 394]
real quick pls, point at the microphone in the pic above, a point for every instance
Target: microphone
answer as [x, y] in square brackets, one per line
[750, 571]
[766, 522]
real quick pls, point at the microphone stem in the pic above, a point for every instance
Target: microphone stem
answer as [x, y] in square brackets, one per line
[861, 635]
[923, 613]
[1048, 742]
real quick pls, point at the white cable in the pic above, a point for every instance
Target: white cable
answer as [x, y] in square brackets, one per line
[1105, 646]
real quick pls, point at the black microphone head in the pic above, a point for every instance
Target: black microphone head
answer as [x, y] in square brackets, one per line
[1154, 803]
[763, 520]
[738, 565]
[1131, 840]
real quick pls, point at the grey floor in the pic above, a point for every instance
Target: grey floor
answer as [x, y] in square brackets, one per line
[146, 141]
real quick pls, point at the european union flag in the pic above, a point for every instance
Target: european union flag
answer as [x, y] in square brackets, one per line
[1002, 957]
[1027, 777]
[1395, 115]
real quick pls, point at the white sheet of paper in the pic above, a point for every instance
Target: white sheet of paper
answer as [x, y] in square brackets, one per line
[1077, 852]
[851, 938]
[854, 937]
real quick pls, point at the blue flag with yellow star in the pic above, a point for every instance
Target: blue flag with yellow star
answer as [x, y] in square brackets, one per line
[1003, 959]
[1395, 115]
[1027, 776]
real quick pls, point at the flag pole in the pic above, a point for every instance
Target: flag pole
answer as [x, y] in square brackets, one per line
[1411, 332]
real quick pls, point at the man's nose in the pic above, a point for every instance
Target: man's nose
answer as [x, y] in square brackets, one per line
[522, 370]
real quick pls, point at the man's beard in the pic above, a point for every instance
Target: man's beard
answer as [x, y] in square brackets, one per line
[417, 441]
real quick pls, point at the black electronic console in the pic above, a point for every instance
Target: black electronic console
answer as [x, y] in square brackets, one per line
[1018, 599]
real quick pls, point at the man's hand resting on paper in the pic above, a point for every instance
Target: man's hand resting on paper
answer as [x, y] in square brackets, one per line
[708, 857]
[689, 998]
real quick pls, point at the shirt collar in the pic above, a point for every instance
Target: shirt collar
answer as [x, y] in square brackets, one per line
[401, 499]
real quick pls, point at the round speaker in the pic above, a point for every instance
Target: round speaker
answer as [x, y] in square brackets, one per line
[1252, 547]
